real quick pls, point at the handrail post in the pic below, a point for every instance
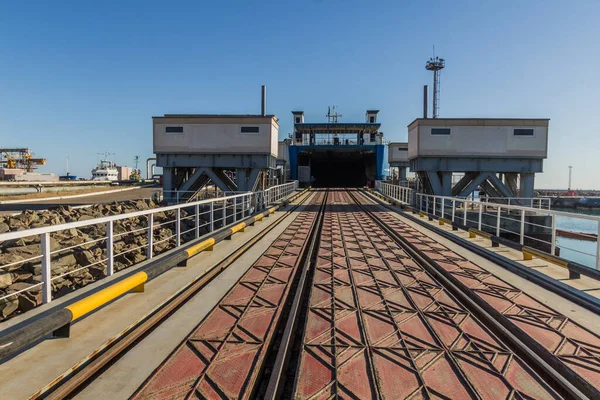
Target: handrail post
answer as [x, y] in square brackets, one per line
[598, 248]
[498, 222]
[465, 209]
[197, 219]
[453, 208]
[235, 209]
[150, 236]
[434, 201]
[443, 208]
[522, 231]
[212, 216]
[480, 213]
[46, 268]
[110, 269]
[224, 212]
[553, 244]
[178, 227]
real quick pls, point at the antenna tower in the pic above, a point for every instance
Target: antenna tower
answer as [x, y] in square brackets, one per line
[136, 160]
[106, 153]
[435, 64]
[332, 117]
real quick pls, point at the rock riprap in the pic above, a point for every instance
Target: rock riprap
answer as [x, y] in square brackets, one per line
[78, 248]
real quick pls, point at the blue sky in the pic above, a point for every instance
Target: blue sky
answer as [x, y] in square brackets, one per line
[84, 77]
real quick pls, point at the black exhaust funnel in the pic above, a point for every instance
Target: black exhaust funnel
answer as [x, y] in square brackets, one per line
[424, 101]
[263, 110]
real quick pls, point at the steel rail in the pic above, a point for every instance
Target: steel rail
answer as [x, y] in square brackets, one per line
[574, 295]
[557, 379]
[74, 380]
[277, 376]
[256, 380]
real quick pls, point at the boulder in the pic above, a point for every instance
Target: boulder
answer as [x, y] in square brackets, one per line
[4, 227]
[21, 276]
[8, 306]
[27, 301]
[85, 257]
[6, 259]
[6, 279]
[16, 287]
[32, 250]
[16, 223]
[59, 265]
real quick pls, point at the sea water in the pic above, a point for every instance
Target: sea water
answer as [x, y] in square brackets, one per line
[580, 251]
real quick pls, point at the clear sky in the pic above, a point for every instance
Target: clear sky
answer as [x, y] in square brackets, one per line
[83, 77]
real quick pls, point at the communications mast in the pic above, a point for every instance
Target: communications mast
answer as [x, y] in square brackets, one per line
[436, 64]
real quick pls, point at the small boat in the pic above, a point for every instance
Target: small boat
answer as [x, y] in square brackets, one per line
[68, 177]
[105, 170]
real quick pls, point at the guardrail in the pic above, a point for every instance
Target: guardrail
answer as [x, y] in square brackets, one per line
[180, 196]
[58, 321]
[535, 227]
[401, 193]
[177, 196]
[533, 202]
[119, 241]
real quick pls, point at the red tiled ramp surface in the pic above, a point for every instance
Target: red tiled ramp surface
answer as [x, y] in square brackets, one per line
[576, 347]
[221, 359]
[379, 326]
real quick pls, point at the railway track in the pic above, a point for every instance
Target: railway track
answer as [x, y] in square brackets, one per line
[350, 302]
[73, 381]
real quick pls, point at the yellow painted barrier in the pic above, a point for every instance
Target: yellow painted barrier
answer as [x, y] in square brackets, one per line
[238, 228]
[204, 245]
[479, 233]
[545, 256]
[90, 303]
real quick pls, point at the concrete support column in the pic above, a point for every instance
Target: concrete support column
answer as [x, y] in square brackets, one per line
[241, 179]
[402, 173]
[446, 183]
[527, 184]
[510, 180]
[169, 178]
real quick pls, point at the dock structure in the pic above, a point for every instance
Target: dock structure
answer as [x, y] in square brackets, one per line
[321, 293]
[194, 149]
[499, 155]
[318, 287]
[336, 153]
[398, 158]
[237, 153]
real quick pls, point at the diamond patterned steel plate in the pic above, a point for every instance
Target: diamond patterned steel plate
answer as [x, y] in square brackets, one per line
[379, 326]
[573, 345]
[222, 357]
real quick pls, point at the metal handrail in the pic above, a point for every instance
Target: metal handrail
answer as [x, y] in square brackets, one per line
[240, 205]
[441, 204]
[524, 200]
[401, 193]
[513, 207]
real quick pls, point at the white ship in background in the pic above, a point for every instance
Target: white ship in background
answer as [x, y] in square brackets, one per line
[105, 170]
